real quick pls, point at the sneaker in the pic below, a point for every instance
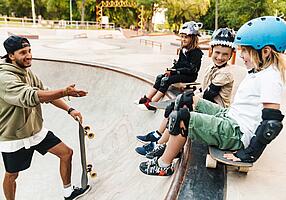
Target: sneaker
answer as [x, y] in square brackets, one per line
[143, 100]
[148, 138]
[156, 152]
[145, 148]
[152, 167]
[159, 151]
[78, 192]
[149, 107]
[146, 107]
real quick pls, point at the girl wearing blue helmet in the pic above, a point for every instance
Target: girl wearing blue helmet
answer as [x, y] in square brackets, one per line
[184, 70]
[254, 118]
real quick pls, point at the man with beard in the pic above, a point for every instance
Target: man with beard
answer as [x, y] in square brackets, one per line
[21, 123]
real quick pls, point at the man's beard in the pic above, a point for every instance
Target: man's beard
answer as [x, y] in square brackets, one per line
[21, 65]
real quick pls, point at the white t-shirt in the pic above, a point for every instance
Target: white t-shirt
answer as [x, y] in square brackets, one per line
[15, 145]
[257, 88]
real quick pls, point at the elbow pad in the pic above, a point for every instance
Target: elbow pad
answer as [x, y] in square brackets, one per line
[267, 131]
[211, 92]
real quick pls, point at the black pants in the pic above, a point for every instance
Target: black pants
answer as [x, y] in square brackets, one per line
[162, 82]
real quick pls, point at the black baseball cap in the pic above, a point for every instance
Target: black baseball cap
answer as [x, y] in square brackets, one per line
[14, 43]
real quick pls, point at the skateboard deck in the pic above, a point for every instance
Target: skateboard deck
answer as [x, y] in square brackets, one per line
[185, 86]
[216, 155]
[162, 104]
[84, 131]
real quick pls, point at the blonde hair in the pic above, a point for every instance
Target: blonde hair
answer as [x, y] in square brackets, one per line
[261, 62]
[194, 42]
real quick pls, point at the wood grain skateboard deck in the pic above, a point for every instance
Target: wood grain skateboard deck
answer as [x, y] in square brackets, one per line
[162, 104]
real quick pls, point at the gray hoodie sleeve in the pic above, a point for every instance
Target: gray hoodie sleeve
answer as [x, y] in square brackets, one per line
[18, 93]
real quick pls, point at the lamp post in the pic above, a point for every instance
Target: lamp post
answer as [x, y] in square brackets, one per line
[216, 14]
[82, 11]
[33, 12]
[71, 11]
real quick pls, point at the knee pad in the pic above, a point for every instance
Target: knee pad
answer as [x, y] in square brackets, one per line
[184, 99]
[169, 109]
[164, 81]
[174, 122]
[158, 81]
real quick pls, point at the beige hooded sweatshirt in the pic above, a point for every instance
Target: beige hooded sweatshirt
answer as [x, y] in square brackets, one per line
[20, 109]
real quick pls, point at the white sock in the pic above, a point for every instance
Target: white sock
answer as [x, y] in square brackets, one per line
[155, 144]
[162, 164]
[157, 135]
[68, 190]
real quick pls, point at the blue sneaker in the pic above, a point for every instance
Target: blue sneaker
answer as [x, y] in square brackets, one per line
[148, 138]
[145, 148]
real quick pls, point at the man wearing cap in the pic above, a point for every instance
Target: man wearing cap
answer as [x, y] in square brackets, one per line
[21, 123]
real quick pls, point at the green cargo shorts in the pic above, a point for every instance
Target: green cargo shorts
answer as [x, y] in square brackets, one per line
[210, 124]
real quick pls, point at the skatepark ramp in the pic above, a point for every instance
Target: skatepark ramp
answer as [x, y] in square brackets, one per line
[109, 110]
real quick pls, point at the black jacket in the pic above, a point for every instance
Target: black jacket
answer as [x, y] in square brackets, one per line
[190, 63]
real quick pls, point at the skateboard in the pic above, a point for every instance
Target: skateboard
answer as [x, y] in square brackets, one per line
[162, 104]
[86, 168]
[216, 155]
[186, 86]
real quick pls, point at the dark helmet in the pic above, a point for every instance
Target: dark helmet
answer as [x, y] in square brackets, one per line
[224, 37]
[263, 31]
[191, 28]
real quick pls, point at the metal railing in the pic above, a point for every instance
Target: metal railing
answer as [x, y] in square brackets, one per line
[41, 23]
[151, 42]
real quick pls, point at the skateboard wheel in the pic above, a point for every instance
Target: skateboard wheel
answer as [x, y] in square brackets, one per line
[89, 167]
[210, 162]
[93, 174]
[243, 169]
[87, 128]
[90, 135]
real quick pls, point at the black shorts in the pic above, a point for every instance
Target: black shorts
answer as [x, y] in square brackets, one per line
[21, 159]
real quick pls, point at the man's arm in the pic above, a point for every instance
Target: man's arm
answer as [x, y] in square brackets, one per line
[71, 111]
[49, 96]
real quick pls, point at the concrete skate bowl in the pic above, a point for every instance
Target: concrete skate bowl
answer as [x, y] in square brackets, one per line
[115, 120]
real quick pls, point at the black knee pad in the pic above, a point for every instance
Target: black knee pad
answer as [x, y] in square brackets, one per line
[174, 122]
[158, 81]
[184, 99]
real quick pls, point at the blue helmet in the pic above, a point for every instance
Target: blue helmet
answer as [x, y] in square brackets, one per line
[262, 31]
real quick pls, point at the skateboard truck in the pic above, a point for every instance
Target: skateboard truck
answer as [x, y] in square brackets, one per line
[88, 133]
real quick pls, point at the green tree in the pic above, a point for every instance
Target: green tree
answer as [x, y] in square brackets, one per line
[4, 7]
[58, 9]
[209, 18]
[181, 11]
[150, 7]
[236, 13]
[123, 17]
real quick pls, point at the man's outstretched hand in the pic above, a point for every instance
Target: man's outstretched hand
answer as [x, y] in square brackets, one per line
[74, 92]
